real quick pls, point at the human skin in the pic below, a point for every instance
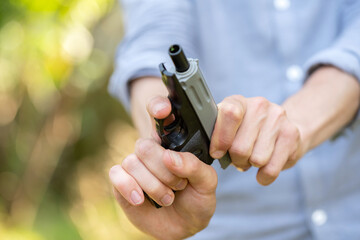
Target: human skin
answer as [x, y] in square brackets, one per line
[256, 132]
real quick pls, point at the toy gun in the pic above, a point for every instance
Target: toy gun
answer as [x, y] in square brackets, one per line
[194, 111]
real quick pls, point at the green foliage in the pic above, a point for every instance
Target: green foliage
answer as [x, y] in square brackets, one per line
[58, 125]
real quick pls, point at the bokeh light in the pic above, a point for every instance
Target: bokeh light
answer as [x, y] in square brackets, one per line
[60, 131]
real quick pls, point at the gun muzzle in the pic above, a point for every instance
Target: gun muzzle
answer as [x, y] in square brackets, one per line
[179, 59]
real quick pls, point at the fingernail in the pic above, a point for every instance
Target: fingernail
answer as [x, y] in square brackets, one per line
[243, 169]
[159, 106]
[135, 197]
[176, 159]
[218, 154]
[181, 184]
[166, 200]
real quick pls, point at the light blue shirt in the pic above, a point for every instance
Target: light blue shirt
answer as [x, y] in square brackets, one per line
[261, 48]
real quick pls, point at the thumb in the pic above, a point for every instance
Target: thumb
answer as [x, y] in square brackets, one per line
[159, 107]
[202, 177]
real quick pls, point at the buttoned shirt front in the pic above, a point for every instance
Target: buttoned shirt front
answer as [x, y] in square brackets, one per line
[261, 48]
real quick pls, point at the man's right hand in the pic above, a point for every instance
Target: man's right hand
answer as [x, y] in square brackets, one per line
[158, 172]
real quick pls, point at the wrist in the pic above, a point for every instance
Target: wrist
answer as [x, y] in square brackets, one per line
[327, 102]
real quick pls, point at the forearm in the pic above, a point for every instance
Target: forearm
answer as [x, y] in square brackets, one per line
[328, 101]
[141, 91]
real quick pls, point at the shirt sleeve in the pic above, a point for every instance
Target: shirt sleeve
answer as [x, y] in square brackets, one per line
[344, 53]
[151, 26]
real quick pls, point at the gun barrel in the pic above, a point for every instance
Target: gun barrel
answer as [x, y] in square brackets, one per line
[178, 57]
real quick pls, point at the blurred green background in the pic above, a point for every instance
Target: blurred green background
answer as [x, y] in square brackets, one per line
[60, 131]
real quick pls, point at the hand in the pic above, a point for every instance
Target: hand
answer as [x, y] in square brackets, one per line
[256, 133]
[158, 172]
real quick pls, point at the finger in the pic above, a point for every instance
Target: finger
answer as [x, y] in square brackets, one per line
[230, 114]
[159, 107]
[201, 177]
[248, 133]
[155, 136]
[296, 151]
[150, 154]
[265, 143]
[285, 146]
[124, 203]
[147, 181]
[292, 159]
[126, 185]
[119, 197]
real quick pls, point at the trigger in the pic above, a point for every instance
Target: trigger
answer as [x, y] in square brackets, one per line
[160, 126]
[172, 126]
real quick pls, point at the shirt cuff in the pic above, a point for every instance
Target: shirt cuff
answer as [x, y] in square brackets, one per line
[346, 60]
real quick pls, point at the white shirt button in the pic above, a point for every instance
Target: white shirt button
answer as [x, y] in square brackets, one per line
[319, 217]
[281, 5]
[294, 73]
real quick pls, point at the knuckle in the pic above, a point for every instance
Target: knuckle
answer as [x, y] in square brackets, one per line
[231, 111]
[114, 170]
[156, 190]
[143, 146]
[214, 180]
[130, 163]
[290, 132]
[261, 103]
[193, 165]
[278, 111]
[258, 160]
[240, 159]
[121, 182]
[193, 168]
[170, 180]
[242, 151]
